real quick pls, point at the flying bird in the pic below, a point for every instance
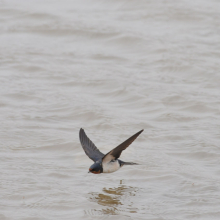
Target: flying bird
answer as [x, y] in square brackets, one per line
[105, 163]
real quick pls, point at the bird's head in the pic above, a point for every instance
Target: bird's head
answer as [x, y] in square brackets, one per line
[96, 168]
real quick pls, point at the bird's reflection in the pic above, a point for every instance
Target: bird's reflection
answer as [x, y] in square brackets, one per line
[111, 200]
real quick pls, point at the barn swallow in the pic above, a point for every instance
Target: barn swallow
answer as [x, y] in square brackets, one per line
[105, 163]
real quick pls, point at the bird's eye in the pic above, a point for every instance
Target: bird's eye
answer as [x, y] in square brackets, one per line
[112, 160]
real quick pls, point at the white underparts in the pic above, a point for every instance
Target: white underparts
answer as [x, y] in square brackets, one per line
[111, 166]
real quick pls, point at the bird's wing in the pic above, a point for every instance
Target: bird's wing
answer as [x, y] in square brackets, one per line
[90, 149]
[116, 152]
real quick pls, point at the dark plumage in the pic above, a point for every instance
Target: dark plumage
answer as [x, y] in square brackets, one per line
[116, 152]
[105, 163]
[90, 149]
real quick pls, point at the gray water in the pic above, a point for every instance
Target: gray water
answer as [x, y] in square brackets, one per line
[112, 68]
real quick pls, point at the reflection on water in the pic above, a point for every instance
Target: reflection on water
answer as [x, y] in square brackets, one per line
[113, 68]
[114, 200]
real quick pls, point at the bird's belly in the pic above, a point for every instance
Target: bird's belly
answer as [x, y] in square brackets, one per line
[110, 167]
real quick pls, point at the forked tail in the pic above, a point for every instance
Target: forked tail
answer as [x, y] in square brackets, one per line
[127, 163]
[130, 163]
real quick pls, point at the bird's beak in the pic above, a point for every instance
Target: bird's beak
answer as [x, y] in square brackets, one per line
[89, 172]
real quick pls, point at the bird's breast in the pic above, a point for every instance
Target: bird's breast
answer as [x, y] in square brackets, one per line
[110, 166]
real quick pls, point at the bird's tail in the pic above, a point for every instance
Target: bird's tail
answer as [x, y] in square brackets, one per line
[129, 163]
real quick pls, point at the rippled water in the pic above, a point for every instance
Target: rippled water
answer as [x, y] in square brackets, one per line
[112, 68]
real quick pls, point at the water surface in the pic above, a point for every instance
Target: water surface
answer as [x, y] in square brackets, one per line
[112, 68]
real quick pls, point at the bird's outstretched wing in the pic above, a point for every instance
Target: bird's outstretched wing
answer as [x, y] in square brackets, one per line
[90, 149]
[116, 152]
